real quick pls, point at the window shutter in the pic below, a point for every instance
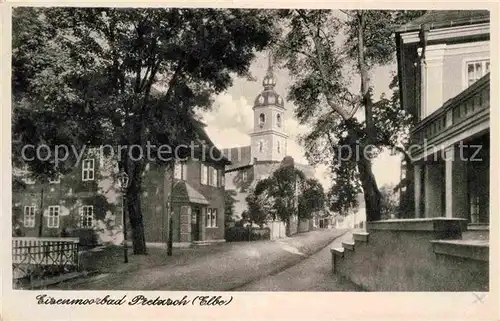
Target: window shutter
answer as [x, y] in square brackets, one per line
[203, 174]
[214, 177]
[177, 170]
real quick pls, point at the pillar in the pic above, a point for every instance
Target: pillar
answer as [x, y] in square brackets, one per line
[417, 169]
[185, 224]
[434, 56]
[433, 190]
[456, 184]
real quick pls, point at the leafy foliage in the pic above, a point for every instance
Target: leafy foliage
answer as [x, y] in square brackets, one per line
[311, 198]
[229, 202]
[124, 76]
[284, 194]
[389, 202]
[324, 51]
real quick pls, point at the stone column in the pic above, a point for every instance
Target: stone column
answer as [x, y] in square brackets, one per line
[433, 190]
[417, 169]
[434, 56]
[203, 216]
[456, 184]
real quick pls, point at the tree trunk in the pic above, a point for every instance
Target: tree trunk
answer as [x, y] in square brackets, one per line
[136, 222]
[134, 170]
[370, 190]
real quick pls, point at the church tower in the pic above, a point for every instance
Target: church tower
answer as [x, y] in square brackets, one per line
[269, 139]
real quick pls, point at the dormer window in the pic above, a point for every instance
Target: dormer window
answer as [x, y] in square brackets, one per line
[262, 119]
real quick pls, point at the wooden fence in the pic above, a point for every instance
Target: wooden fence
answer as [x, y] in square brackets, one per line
[30, 254]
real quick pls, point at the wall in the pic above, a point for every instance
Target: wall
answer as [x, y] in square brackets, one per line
[304, 226]
[454, 69]
[214, 195]
[277, 229]
[70, 194]
[400, 256]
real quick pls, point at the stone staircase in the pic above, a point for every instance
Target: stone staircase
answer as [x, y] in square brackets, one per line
[415, 255]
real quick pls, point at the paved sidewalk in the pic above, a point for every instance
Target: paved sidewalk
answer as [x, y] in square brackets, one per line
[311, 274]
[213, 268]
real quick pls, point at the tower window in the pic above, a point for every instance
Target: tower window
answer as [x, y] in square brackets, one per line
[262, 119]
[261, 146]
[278, 147]
[278, 120]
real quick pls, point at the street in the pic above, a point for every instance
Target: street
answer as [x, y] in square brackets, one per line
[298, 263]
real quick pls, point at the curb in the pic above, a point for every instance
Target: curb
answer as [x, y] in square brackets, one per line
[63, 278]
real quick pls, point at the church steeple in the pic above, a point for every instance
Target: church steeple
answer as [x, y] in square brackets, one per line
[269, 138]
[269, 80]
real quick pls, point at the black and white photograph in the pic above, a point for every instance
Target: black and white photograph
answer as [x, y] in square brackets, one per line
[249, 149]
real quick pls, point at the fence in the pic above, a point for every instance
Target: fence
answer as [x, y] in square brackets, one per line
[32, 257]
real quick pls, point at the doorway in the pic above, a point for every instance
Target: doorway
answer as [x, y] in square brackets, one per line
[195, 223]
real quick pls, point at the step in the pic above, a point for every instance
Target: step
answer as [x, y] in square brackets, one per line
[348, 245]
[360, 236]
[338, 251]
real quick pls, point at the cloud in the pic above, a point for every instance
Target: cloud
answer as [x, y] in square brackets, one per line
[230, 121]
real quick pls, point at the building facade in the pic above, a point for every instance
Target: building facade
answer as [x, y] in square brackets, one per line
[444, 64]
[86, 202]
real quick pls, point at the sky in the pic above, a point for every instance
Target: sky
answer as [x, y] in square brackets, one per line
[231, 119]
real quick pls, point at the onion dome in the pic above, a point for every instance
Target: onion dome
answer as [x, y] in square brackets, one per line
[268, 96]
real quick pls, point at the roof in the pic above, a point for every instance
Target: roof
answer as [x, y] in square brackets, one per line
[204, 139]
[238, 156]
[446, 18]
[185, 193]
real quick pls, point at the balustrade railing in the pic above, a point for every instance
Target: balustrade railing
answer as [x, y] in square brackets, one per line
[455, 111]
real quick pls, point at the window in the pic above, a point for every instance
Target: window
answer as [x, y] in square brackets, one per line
[53, 219]
[204, 174]
[278, 146]
[88, 170]
[278, 120]
[261, 146]
[244, 176]
[55, 180]
[474, 209]
[180, 170]
[87, 216]
[476, 70]
[213, 180]
[211, 219]
[29, 216]
[262, 119]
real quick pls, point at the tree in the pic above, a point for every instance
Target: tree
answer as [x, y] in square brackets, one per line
[320, 48]
[258, 208]
[229, 202]
[122, 76]
[389, 203]
[311, 198]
